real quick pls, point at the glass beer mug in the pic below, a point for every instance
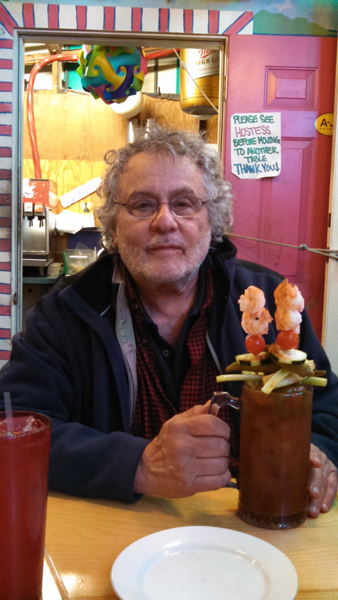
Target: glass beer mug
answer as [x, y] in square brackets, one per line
[274, 467]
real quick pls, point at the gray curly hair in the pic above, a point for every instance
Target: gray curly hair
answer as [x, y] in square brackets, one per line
[176, 143]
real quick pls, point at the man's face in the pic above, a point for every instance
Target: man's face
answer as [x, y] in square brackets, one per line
[163, 248]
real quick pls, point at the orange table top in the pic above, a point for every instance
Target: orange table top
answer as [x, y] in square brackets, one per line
[84, 537]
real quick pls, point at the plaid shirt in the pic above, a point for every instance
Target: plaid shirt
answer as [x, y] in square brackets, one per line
[153, 407]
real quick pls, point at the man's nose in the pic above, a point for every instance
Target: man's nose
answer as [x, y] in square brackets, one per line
[164, 218]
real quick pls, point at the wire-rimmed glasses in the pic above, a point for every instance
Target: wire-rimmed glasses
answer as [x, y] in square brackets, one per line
[145, 208]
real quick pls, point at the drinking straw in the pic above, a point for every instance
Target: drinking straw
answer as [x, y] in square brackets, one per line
[8, 409]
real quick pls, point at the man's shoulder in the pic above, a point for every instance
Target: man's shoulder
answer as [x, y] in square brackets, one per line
[241, 273]
[100, 267]
[93, 285]
[249, 273]
[243, 266]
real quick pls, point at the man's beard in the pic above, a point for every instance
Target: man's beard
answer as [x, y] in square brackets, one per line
[147, 268]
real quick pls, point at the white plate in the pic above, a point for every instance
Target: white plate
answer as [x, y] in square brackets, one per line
[203, 563]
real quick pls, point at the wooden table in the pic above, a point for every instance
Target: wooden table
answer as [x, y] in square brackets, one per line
[84, 537]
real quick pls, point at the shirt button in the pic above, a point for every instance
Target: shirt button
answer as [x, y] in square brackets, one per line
[165, 352]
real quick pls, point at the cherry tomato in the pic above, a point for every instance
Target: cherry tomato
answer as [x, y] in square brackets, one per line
[254, 344]
[287, 340]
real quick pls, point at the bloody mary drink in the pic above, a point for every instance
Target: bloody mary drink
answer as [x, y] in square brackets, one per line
[274, 456]
[24, 459]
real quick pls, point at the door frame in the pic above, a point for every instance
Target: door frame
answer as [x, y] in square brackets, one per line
[330, 313]
[75, 38]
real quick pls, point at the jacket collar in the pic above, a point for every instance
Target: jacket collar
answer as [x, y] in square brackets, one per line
[98, 284]
[93, 285]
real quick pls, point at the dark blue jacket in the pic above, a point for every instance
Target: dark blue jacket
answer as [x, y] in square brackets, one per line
[68, 364]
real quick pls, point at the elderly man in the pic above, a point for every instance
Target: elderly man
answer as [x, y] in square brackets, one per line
[124, 356]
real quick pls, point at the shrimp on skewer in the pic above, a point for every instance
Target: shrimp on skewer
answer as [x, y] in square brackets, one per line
[288, 297]
[252, 301]
[288, 319]
[290, 304]
[256, 323]
[255, 318]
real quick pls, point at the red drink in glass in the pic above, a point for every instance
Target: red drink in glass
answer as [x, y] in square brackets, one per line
[274, 456]
[24, 460]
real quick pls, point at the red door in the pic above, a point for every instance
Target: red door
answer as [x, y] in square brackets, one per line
[294, 76]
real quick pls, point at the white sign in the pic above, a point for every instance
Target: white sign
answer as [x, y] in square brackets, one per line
[80, 192]
[256, 145]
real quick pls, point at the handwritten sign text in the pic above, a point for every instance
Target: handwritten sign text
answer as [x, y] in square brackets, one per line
[256, 145]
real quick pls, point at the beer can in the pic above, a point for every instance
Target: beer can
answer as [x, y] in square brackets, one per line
[203, 66]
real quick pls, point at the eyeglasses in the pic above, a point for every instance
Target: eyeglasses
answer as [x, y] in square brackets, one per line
[144, 208]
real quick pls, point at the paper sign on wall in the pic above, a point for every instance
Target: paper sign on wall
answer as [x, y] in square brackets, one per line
[256, 145]
[80, 192]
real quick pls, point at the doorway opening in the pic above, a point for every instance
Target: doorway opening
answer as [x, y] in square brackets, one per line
[74, 131]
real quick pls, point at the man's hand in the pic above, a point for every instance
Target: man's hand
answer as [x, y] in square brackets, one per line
[323, 483]
[189, 455]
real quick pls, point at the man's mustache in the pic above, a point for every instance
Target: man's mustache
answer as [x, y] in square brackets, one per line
[166, 241]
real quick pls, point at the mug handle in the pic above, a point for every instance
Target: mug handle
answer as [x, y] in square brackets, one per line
[220, 399]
